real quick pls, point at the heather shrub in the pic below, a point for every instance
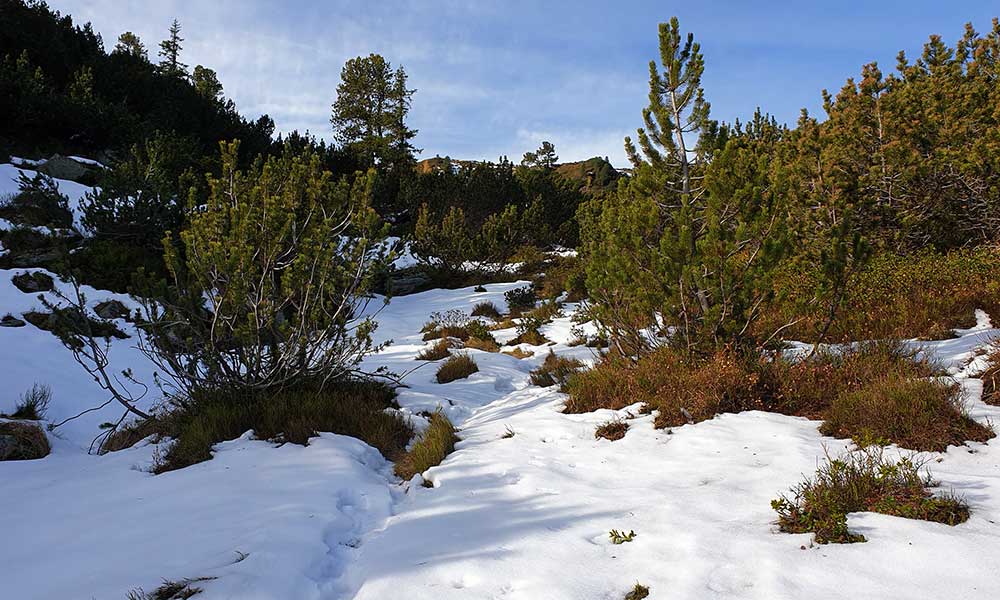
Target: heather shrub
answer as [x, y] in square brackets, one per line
[864, 480]
[922, 414]
[924, 295]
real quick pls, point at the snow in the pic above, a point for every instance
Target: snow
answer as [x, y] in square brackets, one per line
[517, 518]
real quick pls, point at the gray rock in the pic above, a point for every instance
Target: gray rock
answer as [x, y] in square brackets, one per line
[111, 309]
[401, 285]
[63, 167]
[32, 283]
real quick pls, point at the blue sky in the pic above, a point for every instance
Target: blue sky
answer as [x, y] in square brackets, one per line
[498, 77]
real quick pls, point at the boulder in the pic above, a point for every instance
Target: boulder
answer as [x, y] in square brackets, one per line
[63, 167]
[22, 440]
[33, 283]
[111, 309]
[402, 283]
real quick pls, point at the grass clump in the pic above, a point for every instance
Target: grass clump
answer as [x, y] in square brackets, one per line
[33, 403]
[486, 309]
[430, 450]
[486, 345]
[546, 311]
[555, 370]
[458, 366]
[991, 379]
[864, 480]
[922, 414]
[353, 408]
[438, 350]
[518, 353]
[638, 592]
[615, 429]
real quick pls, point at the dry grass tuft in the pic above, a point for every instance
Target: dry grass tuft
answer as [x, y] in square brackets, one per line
[33, 404]
[440, 349]
[27, 441]
[458, 366]
[486, 345]
[430, 450]
[519, 353]
[615, 429]
[638, 593]
[486, 309]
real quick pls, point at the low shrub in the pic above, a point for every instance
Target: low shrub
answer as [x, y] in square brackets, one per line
[529, 332]
[922, 414]
[437, 351]
[546, 311]
[38, 203]
[564, 274]
[864, 480]
[919, 295]
[520, 299]
[22, 441]
[555, 370]
[437, 442]
[638, 592]
[458, 366]
[486, 309]
[353, 408]
[33, 404]
[808, 387]
[615, 429]
[530, 259]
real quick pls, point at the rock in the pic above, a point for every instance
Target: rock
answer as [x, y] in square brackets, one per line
[32, 283]
[401, 284]
[11, 321]
[63, 167]
[30, 259]
[22, 440]
[111, 309]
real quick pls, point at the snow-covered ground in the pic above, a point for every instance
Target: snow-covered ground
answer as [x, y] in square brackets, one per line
[520, 518]
[74, 191]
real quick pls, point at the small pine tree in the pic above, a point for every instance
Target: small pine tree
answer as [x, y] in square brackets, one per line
[170, 51]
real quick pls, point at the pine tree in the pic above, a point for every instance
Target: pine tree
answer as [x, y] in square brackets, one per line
[170, 50]
[686, 248]
[543, 158]
[130, 45]
[206, 82]
[369, 114]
